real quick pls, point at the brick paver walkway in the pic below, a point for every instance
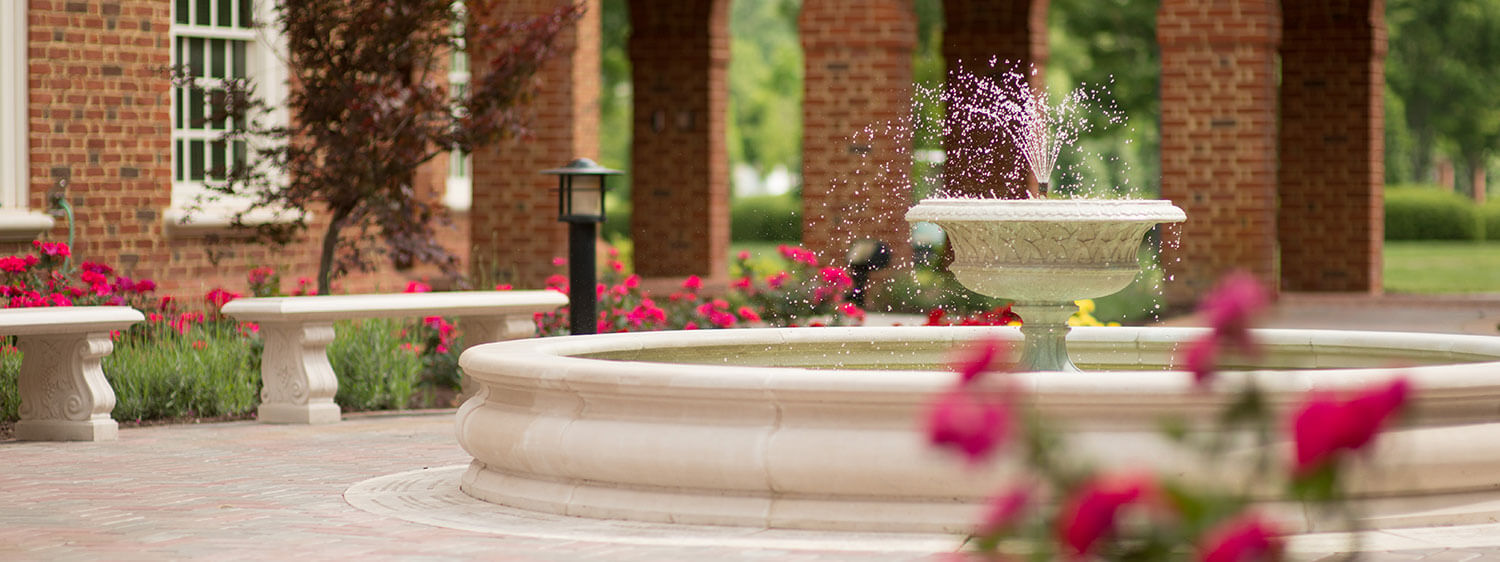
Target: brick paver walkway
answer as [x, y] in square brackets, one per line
[246, 491]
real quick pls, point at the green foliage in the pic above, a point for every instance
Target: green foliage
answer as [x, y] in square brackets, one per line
[766, 217]
[10, 395]
[210, 371]
[1427, 213]
[765, 86]
[378, 368]
[1490, 214]
[1441, 69]
[615, 102]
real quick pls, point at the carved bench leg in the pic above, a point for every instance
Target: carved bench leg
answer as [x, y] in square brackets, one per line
[64, 395]
[488, 329]
[297, 382]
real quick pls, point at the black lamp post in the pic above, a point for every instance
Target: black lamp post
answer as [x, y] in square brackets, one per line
[580, 203]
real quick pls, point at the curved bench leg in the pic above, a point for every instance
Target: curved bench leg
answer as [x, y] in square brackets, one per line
[297, 382]
[64, 395]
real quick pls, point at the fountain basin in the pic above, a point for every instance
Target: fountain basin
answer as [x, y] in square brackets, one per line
[822, 428]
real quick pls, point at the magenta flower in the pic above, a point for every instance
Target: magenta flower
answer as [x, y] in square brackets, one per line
[1089, 515]
[1324, 427]
[1247, 538]
[1004, 511]
[503, 287]
[96, 267]
[975, 427]
[52, 249]
[559, 262]
[836, 277]
[692, 283]
[1202, 358]
[218, 297]
[981, 357]
[1230, 307]
[632, 282]
[13, 264]
[417, 287]
[748, 314]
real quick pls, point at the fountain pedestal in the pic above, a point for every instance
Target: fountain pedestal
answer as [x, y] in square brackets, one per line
[1045, 254]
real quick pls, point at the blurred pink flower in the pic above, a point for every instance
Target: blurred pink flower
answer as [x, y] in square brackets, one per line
[980, 357]
[1004, 511]
[1247, 538]
[693, 283]
[974, 426]
[1089, 514]
[1230, 307]
[1201, 358]
[1325, 426]
[417, 287]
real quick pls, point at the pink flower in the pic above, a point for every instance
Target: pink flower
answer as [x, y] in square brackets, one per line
[853, 311]
[777, 279]
[1201, 358]
[96, 267]
[1004, 512]
[798, 255]
[1088, 516]
[691, 325]
[1247, 538]
[743, 255]
[741, 284]
[632, 281]
[975, 427]
[503, 287]
[92, 278]
[836, 277]
[52, 249]
[1230, 307]
[218, 297]
[982, 356]
[144, 286]
[13, 264]
[693, 283]
[616, 265]
[1324, 426]
[58, 299]
[748, 314]
[559, 262]
[417, 287]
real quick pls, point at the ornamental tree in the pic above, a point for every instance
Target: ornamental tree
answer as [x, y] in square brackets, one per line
[369, 104]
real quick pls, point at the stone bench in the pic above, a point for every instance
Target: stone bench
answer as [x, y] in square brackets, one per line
[64, 395]
[297, 380]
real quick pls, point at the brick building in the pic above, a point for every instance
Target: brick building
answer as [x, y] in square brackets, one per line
[1283, 180]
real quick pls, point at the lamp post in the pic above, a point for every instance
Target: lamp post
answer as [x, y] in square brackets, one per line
[580, 203]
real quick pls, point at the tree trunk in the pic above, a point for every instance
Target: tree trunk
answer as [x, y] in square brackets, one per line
[330, 246]
[1477, 173]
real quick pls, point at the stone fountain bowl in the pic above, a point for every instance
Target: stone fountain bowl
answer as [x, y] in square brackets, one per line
[820, 428]
[1045, 250]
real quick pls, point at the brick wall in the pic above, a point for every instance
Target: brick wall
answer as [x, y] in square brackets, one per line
[1218, 129]
[99, 117]
[514, 229]
[856, 184]
[975, 33]
[679, 56]
[1331, 217]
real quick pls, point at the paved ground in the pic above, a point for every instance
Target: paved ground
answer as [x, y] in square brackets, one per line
[381, 487]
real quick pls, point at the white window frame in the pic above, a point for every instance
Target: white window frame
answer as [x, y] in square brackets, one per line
[266, 56]
[16, 221]
[459, 192]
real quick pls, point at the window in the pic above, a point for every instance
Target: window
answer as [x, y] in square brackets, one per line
[16, 222]
[216, 41]
[459, 194]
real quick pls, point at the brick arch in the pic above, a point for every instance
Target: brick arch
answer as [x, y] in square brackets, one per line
[1330, 217]
[679, 55]
[1285, 182]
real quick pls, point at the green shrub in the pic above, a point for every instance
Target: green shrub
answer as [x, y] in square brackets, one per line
[10, 396]
[1428, 213]
[211, 371]
[1490, 214]
[616, 226]
[767, 217]
[378, 367]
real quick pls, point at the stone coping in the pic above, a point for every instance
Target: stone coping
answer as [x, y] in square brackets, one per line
[67, 319]
[393, 305]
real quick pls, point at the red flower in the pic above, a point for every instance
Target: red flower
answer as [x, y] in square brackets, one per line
[96, 267]
[1247, 538]
[777, 279]
[742, 284]
[218, 297]
[975, 427]
[836, 277]
[52, 249]
[417, 287]
[616, 265]
[982, 356]
[935, 317]
[144, 285]
[200, 344]
[1324, 427]
[693, 283]
[748, 314]
[632, 281]
[852, 311]
[503, 287]
[13, 264]
[743, 255]
[1089, 514]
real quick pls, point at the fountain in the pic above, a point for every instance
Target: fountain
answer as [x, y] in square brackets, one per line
[819, 428]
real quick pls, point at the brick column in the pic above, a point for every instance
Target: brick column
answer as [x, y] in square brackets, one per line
[1331, 222]
[1218, 146]
[856, 183]
[679, 165]
[979, 157]
[514, 228]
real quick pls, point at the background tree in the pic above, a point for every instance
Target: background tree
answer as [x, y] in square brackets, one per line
[369, 105]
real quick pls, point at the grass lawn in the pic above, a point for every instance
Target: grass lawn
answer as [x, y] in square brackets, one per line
[1442, 267]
